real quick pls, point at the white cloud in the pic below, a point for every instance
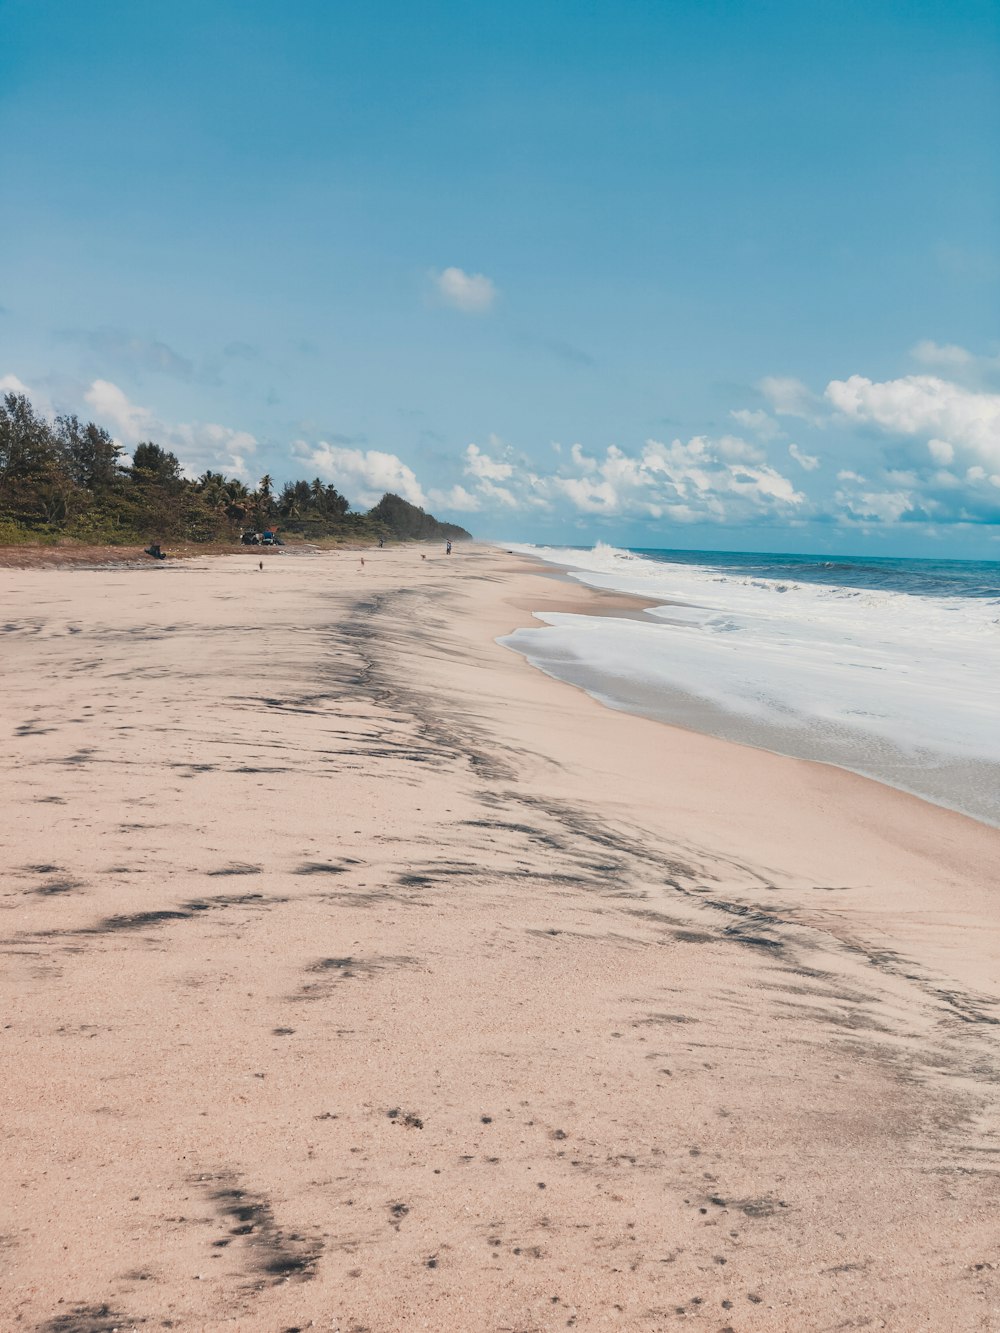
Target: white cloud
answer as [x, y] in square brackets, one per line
[959, 363]
[702, 480]
[790, 397]
[735, 449]
[112, 408]
[199, 445]
[923, 493]
[489, 490]
[589, 496]
[472, 292]
[943, 429]
[808, 462]
[943, 438]
[583, 461]
[39, 398]
[482, 465]
[930, 353]
[924, 405]
[204, 445]
[363, 475]
[761, 423]
[457, 499]
[882, 506]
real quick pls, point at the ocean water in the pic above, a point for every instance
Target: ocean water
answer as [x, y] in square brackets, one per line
[889, 668]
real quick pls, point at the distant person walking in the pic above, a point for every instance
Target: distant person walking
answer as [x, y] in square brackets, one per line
[447, 548]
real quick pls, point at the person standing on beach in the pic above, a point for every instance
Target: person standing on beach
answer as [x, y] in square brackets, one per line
[447, 548]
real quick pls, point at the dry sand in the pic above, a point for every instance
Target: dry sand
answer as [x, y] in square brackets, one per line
[359, 977]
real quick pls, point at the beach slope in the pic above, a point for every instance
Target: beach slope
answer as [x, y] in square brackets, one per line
[360, 977]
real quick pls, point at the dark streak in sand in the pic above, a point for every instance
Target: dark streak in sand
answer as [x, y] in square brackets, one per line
[274, 1254]
[129, 922]
[346, 969]
[89, 1319]
[57, 886]
[326, 867]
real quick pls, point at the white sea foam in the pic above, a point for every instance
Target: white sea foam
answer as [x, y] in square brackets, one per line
[899, 687]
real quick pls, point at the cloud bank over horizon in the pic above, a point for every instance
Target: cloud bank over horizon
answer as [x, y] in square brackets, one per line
[916, 449]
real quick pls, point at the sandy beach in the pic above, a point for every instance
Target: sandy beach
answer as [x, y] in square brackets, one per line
[360, 977]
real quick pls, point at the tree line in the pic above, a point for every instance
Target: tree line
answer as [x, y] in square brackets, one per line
[67, 478]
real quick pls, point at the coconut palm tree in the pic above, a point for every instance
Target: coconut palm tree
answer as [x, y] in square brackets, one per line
[263, 501]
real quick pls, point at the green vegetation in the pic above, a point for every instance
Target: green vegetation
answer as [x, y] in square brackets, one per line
[67, 479]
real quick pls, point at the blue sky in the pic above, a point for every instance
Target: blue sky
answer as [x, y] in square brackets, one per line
[682, 274]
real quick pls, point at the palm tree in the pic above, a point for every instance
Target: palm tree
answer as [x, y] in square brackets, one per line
[236, 499]
[264, 500]
[288, 502]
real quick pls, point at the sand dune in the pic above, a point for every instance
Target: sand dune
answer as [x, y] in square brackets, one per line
[359, 977]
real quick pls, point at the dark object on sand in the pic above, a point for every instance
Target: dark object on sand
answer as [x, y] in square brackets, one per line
[154, 550]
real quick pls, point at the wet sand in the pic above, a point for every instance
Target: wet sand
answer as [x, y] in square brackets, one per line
[360, 977]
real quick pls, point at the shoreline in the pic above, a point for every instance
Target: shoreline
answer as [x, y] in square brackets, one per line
[360, 973]
[672, 706]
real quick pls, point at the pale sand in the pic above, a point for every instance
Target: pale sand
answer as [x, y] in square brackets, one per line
[358, 976]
